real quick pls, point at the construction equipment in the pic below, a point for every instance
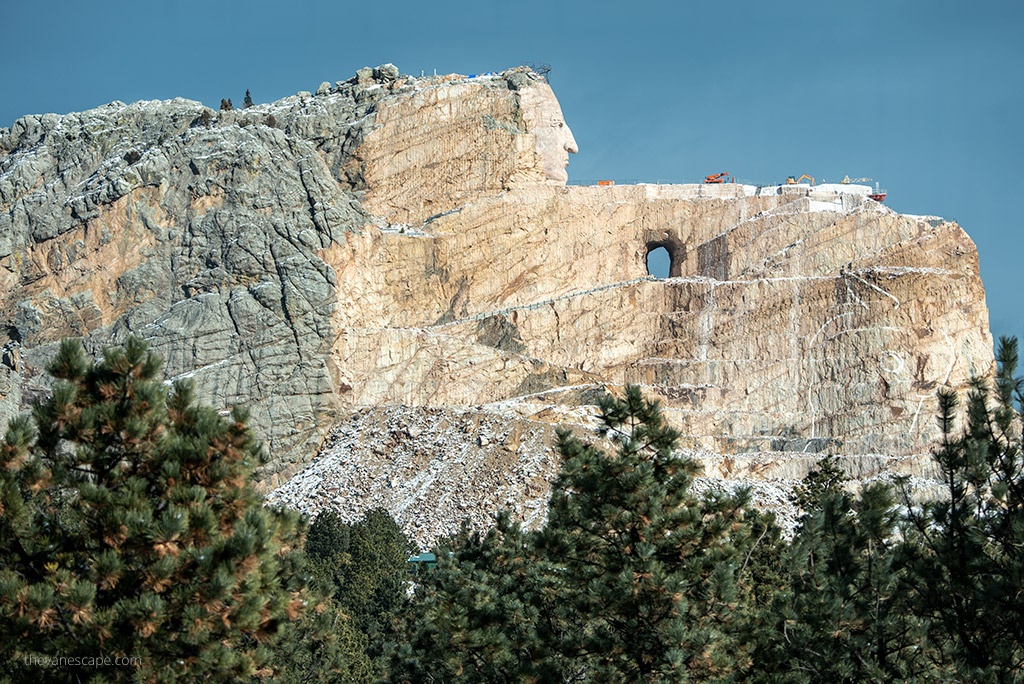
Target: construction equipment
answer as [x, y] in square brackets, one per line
[717, 178]
[878, 195]
[793, 181]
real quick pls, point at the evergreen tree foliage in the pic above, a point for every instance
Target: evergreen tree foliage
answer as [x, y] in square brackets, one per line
[204, 119]
[363, 565]
[363, 568]
[634, 577]
[128, 527]
[488, 613]
[967, 549]
[841, 613]
[323, 646]
[658, 560]
[225, 105]
[248, 100]
[827, 477]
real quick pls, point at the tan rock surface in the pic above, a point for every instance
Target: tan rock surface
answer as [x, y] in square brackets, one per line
[406, 250]
[797, 320]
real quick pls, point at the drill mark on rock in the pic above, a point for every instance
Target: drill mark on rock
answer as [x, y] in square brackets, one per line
[875, 287]
[896, 366]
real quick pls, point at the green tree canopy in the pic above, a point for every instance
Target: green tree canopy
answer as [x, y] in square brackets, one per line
[128, 528]
[362, 565]
[967, 547]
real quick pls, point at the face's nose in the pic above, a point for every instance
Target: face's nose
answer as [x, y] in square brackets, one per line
[570, 142]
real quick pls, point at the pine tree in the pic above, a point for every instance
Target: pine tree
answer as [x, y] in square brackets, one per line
[324, 646]
[128, 528]
[650, 565]
[842, 612]
[967, 547]
[633, 578]
[488, 613]
[827, 477]
[248, 100]
[362, 565]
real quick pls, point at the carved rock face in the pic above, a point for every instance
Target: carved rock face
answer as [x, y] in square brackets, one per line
[544, 119]
[383, 258]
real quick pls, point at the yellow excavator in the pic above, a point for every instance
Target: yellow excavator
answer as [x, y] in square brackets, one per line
[793, 181]
[856, 180]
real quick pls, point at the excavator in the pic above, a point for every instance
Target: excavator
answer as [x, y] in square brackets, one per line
[793, 181]
[717, 178]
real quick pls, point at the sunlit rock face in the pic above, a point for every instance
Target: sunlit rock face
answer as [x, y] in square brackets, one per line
[544, 119]
[395, 265]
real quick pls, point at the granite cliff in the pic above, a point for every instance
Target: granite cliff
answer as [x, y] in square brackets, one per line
[393, 275]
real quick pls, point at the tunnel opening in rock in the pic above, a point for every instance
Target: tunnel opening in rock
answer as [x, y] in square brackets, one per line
[658, 262]
[663, 259]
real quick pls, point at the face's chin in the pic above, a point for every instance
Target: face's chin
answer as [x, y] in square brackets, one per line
[555, 169]
[554, 173]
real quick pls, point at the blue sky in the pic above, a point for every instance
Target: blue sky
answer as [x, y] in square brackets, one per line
[925, 96]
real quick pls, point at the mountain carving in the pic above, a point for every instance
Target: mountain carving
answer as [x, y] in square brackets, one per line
[395, 257]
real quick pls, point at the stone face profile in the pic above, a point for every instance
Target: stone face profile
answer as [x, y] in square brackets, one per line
[544, 119]
[393, 276]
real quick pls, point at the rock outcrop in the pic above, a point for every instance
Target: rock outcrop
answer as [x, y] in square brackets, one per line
[404, 252]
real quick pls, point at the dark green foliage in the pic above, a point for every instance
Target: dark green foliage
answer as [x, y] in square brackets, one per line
[324, 646]
[248, 100]
[825, 478]
[363, 565]
[660, 561]
[841, 613]
[932, 592]
[967, 550]
[225, 105]
[488, 613]
[128, 528]
[634, 578]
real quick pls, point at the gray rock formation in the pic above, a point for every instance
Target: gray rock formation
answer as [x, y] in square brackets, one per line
[196, 230]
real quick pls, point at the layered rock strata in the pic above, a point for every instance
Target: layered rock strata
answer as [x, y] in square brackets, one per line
[410, 245]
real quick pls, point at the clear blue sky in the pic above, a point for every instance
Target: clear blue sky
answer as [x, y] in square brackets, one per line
[924, 96]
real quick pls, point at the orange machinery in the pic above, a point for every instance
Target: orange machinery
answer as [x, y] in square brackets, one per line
[717, 178]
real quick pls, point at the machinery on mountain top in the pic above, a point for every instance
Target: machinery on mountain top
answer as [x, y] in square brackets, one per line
[878, 195]
[719, 178]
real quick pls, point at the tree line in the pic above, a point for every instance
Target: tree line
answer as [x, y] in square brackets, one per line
[129, 528]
